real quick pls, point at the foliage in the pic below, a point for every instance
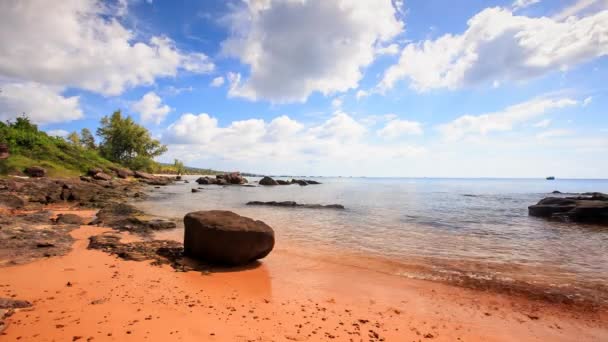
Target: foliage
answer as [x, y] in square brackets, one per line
[86, 139]
[28, 146]
[127, 143]
[74, 138]
[179, 167]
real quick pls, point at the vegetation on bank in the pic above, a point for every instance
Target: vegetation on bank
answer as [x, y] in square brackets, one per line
[122, 143]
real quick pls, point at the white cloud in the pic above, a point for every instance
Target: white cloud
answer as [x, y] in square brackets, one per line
[397, 128]
[542, 123]
[151, 108]
[501, 121]
[391, 49]
[42, 104]
[294, 48]
[580, 6]
[282, 141]
[361, 94]
[519, 4]
[79, 43]
[217, 82]
[499, 46]
[337, 102]
[58, 133]
[587, 101]
[554, 133]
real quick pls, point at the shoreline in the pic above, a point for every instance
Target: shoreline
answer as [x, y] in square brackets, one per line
[89, 293]
[294, 294]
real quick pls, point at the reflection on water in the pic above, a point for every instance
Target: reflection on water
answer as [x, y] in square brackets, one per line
[457, 229]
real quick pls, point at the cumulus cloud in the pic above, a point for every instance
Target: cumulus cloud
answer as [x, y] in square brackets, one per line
[80, 43]
[340, 138]
[42, 104]
[217, 82]
[503, 120]
[397, 128]
[294, 48]
[500, 46]
[151, 108]
[554, 133]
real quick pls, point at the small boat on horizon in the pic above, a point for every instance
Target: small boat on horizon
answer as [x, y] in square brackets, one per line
[550, 178]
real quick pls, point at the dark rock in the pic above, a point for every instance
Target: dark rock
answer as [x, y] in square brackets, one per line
[299, 182]
[294, 204]
[11, 201]
[186, 182]
[102, 176]
[86, 179]
[35, 171]
[195, 190]
[123, 173]
[268, 181]
[221, 181]
[556, 192]
[283, 182]
[205, 180]
[44, 244]
[589, 208]
[224, 237]
[125, 217]
[69, 219]
[231, 178]
[159, 181]
[143, 175]
[4, 152]
[92, 172]
[178, 178]
[7, 303]
[312, 182]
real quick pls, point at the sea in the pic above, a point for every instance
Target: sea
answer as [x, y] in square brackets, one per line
[469, 232]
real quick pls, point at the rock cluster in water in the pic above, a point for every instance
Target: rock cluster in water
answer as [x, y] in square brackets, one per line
[223, 237]
[585, 208]
[292, 204]
[269, 181]
[233, 178]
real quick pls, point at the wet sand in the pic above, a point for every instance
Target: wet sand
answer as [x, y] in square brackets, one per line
[290, 296]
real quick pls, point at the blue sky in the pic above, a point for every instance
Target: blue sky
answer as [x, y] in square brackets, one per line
[311, 87]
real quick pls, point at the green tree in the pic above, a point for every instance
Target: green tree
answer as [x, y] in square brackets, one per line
[179, 167]
[86, 139]
[73, 138]
[125, 142]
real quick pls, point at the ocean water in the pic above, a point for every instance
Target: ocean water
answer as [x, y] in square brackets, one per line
[474, 232]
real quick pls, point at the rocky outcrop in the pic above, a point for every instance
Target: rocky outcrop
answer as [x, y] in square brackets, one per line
[231, 178]
[125, 217]
[223, 237]
[151, 179]
[10, 201]
[35, 171]
[143, 175]
[122, 173]
[292, 204]
[303, 182]
[268, 181]
[102, 176]
[234, 178]
[586, 208]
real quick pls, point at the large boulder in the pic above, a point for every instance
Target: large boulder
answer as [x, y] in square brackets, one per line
[102, 176]
[223, 237]
[122, 173]
[35, 171]
[206, 180]
[94, 171]
[588, 208]
[143, 175]
[232, 178]
[268, 181]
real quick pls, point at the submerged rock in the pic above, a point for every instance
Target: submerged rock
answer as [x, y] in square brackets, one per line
[295, 204]
[223, 237]
[587, 208]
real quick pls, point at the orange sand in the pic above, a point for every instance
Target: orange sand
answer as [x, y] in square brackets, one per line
[89, 295]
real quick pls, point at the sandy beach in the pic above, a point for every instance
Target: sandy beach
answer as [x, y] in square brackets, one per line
[289, 296]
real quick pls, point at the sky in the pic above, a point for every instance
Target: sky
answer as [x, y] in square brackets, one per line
[378, 88]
